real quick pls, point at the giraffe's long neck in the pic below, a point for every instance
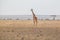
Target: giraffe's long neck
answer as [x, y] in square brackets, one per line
[33, 13]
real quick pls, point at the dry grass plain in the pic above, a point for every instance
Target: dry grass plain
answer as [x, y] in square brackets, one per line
[25, 30]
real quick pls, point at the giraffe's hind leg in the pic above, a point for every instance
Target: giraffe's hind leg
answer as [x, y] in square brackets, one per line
[36, 21]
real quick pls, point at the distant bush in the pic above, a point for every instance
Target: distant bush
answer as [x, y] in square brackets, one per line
[17, 19]
[46, 19]
[28, 19]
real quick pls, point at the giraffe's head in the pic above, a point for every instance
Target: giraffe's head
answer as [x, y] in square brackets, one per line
[31, 9]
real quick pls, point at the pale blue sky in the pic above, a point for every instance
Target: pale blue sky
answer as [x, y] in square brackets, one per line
[22, 7]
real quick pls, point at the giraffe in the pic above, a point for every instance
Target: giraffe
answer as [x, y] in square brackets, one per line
[34, 17]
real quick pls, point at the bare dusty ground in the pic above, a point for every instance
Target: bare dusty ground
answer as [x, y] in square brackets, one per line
[25, 30]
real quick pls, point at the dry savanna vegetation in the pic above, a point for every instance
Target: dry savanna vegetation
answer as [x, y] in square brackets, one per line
[26, 30]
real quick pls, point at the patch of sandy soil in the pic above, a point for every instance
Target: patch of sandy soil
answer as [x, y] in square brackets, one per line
[25, 30]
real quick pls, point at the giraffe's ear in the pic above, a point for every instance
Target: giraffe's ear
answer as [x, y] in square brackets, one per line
[31, 9]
